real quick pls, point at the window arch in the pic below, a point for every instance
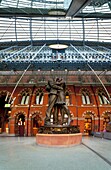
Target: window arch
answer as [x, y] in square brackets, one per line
[39, 97]
[102, 98]
[85, 97]
[25, 98]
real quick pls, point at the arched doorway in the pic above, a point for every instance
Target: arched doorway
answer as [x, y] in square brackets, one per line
[4, 113]
[106, 119]
[36, 122]
[89, 122]
[20, 125]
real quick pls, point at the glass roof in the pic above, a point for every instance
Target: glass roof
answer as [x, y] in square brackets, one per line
[98, 7]
[42, 7]
[35, 3]
[23, 23]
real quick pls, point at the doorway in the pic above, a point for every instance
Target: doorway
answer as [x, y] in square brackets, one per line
[4, 114]
[20, 125]
[106, 119]
[36, 123]
[88, 123]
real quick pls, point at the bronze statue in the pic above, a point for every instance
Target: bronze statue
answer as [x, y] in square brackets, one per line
[56, 104]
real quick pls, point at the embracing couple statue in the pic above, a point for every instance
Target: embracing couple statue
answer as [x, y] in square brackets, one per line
[56, 104]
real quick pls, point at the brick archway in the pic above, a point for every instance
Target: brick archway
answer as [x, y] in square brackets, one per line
[37, 120]
[4, 111]
[89, 122]
[20, 119]
[106, 118]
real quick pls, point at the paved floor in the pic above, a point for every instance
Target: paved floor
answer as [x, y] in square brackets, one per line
[22, 153]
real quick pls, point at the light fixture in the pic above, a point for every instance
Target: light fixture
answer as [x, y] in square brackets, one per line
[58, 12]
[79, 69]
[66, 69]
[7, 105]
[52, 69]
[58, 46]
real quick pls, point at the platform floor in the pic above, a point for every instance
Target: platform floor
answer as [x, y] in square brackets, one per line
[22, 153]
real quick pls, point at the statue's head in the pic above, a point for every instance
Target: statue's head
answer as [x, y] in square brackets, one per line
[58, 79]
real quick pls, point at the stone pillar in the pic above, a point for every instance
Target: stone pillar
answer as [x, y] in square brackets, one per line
[12, 126]
[81, 124]
[26, 127]
[29, 126]
[33, 99]
[101, 124]
[74, 121]
[96, 125]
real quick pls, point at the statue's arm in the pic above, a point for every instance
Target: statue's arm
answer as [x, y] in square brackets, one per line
[55, 86]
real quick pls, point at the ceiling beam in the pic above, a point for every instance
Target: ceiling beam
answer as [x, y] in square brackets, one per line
[94, 15]
[76, 6]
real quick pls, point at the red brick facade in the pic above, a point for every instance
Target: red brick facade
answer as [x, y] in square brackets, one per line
[90, 117]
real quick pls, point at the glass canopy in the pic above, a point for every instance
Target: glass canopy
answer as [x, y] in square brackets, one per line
[93, 6]
[35, 3]
[97, 8]
[33, 29]
[26, 23]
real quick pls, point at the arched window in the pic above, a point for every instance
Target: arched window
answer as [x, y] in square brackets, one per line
[25, 98]
[39, 97]
[85, 97]
[102, 98]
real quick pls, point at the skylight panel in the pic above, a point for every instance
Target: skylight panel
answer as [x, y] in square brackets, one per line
[32, 3]
[98, 9]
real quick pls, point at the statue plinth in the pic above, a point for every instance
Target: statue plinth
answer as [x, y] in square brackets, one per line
[58, 129]
[59, 140]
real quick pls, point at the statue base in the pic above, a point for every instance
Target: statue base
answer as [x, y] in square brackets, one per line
[59, 140]
[58, 129]
[59, 136]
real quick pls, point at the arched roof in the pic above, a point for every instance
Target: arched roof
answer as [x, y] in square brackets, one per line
[28, 27]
